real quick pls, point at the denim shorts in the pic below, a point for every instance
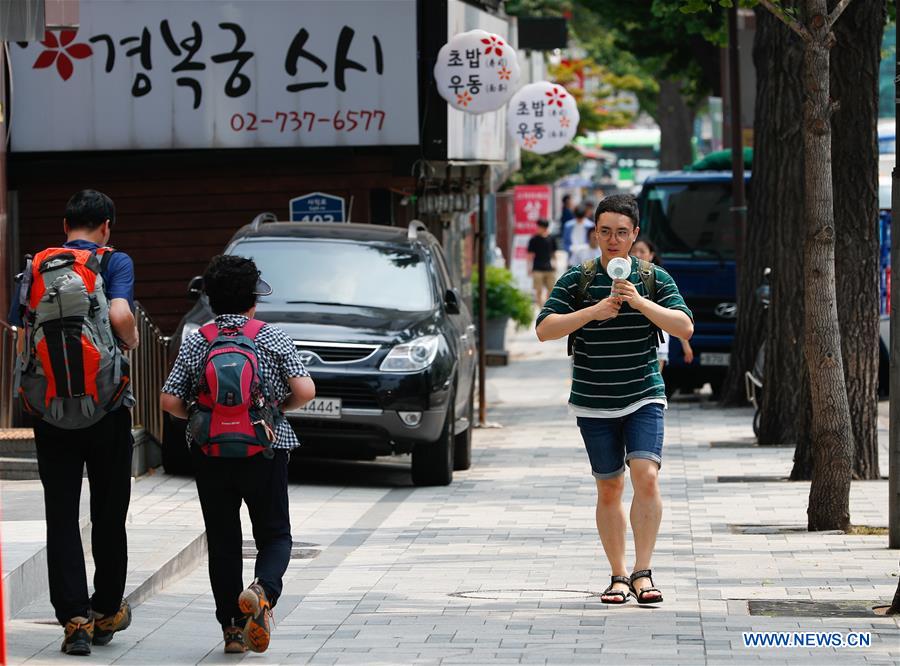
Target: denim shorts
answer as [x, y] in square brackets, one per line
[611, 443]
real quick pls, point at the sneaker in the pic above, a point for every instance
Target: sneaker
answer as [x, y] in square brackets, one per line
[254, 603]
[106, 625]
[234, 640]
[78, 636]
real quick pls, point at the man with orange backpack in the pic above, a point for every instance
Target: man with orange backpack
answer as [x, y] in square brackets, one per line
[233, 380]
[74, 304]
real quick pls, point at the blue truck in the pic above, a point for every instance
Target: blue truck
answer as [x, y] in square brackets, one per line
[687, 215]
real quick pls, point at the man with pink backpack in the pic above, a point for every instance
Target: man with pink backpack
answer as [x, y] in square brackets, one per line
[233, 380]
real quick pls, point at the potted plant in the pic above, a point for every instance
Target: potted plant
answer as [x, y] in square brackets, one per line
[504, 302]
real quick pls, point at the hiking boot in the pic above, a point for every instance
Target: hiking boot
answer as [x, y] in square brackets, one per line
[254, 603]
[234, 640]
[78, 634]
[106, 625]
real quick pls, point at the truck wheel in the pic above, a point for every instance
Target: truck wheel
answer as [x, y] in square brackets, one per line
[432, 462]
[176, 457]
[462, 443]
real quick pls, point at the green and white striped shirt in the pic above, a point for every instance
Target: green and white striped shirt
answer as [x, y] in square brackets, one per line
[615, 370]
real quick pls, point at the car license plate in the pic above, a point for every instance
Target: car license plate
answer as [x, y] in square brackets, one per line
[320, 408]
[715, 359]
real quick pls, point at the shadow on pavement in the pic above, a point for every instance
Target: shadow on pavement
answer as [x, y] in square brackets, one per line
[311, 471]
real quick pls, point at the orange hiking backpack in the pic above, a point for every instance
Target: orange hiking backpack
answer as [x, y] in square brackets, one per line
[71, 372]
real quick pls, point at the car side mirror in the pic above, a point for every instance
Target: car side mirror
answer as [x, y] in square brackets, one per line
[451, 301]
[195, 288]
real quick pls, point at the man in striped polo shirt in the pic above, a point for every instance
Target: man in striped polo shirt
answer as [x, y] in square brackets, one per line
[618, 395]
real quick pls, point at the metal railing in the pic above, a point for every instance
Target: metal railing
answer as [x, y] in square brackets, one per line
[149, 368]
[7, 371]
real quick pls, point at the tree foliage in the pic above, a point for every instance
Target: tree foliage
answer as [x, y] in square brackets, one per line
[597, 86]
[541, 169]
[503, 298]
[666, 42]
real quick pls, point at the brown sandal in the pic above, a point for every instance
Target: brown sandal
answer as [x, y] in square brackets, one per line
[639, 594]
[609, 591]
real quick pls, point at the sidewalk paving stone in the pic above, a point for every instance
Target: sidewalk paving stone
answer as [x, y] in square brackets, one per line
[522, 519]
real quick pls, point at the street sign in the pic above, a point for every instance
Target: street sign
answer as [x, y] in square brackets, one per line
[237, 74]
[317, 207]
[530, 203]
[542, 117]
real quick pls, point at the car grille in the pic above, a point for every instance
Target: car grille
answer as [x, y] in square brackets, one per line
[336, 352]
[352, 393]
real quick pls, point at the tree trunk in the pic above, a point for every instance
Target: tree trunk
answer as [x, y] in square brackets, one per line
[831, 431]
[676, 126]
[854, 154]
[895, 604]
[775, 234]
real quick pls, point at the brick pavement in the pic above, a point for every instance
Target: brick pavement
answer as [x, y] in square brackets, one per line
[497, 567]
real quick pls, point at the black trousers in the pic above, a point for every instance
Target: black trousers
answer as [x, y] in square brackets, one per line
[222, 484]
[105, 448]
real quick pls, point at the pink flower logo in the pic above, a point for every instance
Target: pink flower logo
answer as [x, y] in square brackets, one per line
[556, 96]
[529, 142]
[464, 98]
[564, 122]
[60, 51]
[504, 73]
[493, 45]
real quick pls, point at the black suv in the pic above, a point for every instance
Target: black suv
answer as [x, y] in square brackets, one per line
[381, 329]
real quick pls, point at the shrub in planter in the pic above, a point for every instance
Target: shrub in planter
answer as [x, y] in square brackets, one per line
[504, 299]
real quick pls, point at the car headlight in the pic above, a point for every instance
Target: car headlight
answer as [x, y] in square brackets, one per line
[191, 327]
[412, 356]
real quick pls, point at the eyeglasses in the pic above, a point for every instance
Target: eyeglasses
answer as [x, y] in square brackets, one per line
[621, 234]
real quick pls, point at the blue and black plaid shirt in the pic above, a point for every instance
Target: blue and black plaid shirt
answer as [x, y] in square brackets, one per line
[278, 362]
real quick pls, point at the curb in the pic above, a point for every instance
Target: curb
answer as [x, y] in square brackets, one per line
[182, 563]
[26, 583]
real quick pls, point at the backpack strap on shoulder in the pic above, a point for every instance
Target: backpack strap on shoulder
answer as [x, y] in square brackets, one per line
[252, 328]
[104, 254]
[210, 331]
[647, 272]
[588, 271]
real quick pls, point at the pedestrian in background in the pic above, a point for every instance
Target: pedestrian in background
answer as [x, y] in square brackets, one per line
[567, 213]
[76, 305]
[617, 394]
[644, 248]
[541, 262]
[228, 473]
[576, 237]
[589, 208]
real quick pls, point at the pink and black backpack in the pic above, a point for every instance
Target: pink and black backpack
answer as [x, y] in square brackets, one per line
[234, 415]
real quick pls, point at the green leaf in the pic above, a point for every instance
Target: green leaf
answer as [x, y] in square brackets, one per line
[503, 298]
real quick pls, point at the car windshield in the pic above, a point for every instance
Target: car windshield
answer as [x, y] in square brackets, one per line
[341, 273]
[689, 219]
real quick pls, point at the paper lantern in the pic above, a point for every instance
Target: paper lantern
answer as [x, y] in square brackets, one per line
[542, 117]
[476, 72]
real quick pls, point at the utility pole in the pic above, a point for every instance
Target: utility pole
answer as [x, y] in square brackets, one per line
[482, 301]
[5, 263]
[894, 428]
